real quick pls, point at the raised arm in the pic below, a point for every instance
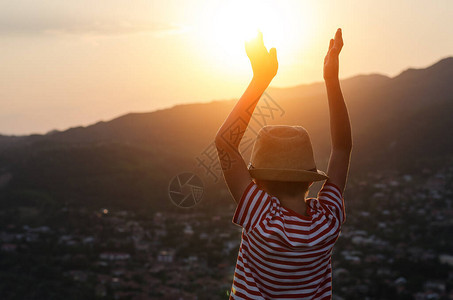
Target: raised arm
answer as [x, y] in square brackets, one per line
[340, 128]
[229, 136]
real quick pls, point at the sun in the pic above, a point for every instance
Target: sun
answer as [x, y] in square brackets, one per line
[236, 21]
[226, 25]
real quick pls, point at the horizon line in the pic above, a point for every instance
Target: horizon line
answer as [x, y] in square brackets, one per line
[221, 100]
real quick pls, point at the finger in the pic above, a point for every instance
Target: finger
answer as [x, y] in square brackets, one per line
[260, 36]
[247, 48]
[338, 42]
[330, 44]
[260, 41]
[339, 37]
[338, 34]
[273, 53]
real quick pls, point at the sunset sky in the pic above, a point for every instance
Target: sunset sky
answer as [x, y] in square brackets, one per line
[71, 63]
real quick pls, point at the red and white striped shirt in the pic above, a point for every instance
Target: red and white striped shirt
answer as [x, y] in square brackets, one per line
[283, 254]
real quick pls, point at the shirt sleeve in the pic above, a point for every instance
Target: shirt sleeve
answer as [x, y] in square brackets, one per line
[331, 198]
[252, 207]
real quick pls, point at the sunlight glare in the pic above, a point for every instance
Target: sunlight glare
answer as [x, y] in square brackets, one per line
[230, 23]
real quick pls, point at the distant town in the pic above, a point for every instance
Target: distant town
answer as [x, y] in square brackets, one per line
[396, 243]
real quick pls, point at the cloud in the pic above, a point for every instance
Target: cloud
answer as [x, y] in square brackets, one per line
[106, 29]
[65, 27]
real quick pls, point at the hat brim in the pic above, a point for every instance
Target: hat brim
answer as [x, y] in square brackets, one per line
[287, 175]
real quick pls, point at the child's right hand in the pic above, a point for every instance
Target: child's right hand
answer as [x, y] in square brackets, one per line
[331, 62]
[264, 63]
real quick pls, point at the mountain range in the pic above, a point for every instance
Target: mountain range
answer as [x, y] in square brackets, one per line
[400, 123]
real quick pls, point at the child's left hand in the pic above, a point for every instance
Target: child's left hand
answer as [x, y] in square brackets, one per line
[331, 60]
[264, 63]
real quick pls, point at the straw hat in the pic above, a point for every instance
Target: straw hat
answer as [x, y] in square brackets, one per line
[284, 153]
